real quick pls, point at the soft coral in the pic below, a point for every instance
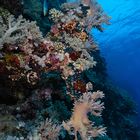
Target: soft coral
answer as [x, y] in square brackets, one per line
[79, 121]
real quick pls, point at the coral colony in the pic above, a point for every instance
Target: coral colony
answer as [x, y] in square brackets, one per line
[32, 66]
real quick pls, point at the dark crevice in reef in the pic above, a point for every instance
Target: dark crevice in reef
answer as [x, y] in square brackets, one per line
[13, 6]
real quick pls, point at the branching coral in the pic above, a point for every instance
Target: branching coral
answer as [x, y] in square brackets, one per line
[73, 42]
[83, 64]
[55, 14]
[49, 131]
[16, 30]
[95, 16]
[80, 123]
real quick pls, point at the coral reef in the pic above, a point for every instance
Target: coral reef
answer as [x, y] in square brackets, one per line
[44, 78]
[28, 57]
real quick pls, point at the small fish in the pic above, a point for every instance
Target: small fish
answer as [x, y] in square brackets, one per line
[45, 7]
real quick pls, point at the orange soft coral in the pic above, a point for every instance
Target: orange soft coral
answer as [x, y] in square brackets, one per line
[88, 103]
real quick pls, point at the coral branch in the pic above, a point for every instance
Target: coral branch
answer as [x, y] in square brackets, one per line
[88, 103]
[17, 30]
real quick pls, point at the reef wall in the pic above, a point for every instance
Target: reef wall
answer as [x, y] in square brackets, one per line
[54, 85]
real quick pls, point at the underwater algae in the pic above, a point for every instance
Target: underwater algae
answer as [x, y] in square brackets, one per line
[54, 86]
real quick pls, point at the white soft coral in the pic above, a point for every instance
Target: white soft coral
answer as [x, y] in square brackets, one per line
[79, 122]
[16, 30]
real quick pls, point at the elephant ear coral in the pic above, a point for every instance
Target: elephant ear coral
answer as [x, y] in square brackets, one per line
[79, 121]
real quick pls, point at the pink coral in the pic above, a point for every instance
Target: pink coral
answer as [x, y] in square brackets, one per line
[55, 30]
[79, 120]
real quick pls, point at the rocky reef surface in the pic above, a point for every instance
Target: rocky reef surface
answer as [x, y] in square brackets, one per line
[53, 82]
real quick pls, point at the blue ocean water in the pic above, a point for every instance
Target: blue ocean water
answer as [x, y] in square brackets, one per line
[120, 44]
